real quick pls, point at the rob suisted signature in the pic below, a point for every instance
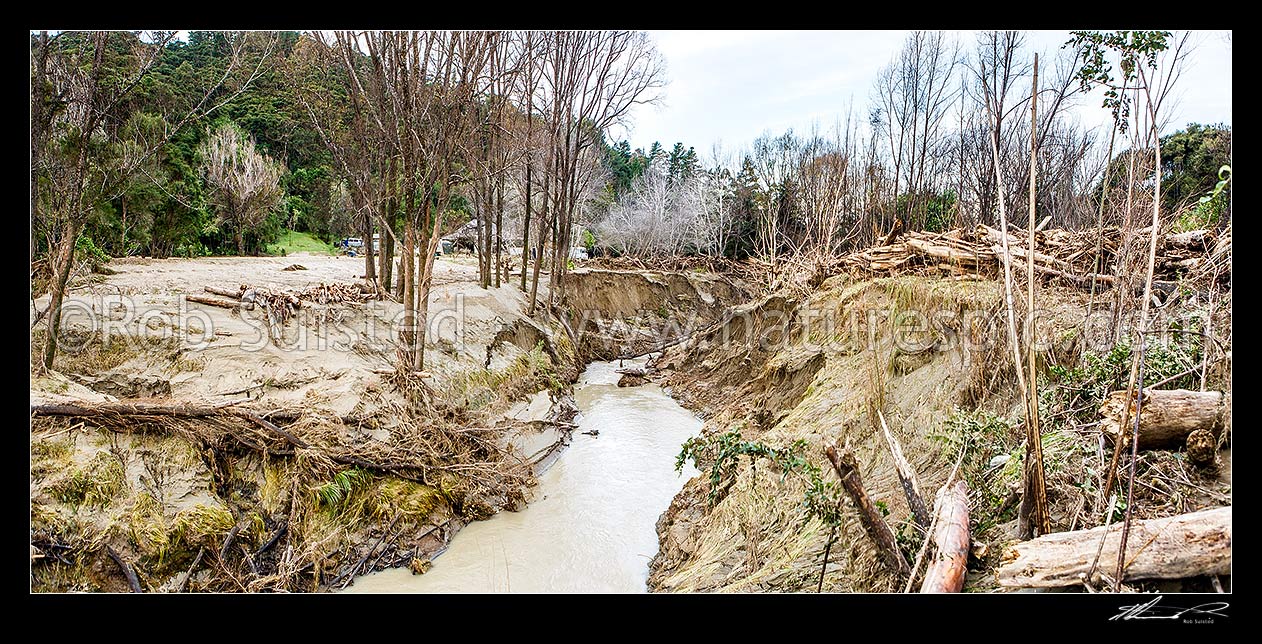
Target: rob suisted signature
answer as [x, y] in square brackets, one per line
[1150, 610]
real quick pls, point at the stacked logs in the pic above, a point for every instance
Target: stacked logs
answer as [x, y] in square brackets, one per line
[1186, 545]
[1059, 254]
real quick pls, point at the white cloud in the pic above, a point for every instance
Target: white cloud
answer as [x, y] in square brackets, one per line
[731, 86]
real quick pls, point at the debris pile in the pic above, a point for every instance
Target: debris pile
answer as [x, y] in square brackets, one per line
[1066, 255]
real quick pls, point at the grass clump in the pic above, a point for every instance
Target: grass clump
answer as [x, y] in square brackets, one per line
[202, 525]
[531, 371]
[95, 484]
[148, 529]
[49, 457]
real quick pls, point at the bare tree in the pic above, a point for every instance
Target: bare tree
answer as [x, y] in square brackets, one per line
[995, 69]
[243, 183]
[591, 80]
[913, 96]
[417, 91]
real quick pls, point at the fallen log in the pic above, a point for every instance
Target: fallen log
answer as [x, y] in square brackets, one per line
[1167, 416]
[907, 476]
[948, 253]
[847, 469]
[1187, 545]
[1196, 239]
[220, 302]
[1083, 281]
[128, 571]
[215, 290]
[951, 538]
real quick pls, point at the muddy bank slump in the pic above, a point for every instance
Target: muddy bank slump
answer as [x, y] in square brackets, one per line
[591, 525]
[630, 313]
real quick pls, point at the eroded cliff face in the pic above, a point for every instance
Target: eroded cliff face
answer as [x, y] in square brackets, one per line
[817, 370]
[628, 313]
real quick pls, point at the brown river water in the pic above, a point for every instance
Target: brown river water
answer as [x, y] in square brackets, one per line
[591, 525]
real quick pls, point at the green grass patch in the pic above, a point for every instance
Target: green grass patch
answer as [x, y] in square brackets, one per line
[292, 241]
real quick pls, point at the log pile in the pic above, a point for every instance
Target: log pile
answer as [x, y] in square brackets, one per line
[280, 306]
[1059, 254]
[336, 293]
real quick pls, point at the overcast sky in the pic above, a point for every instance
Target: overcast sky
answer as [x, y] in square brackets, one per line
[731, 86]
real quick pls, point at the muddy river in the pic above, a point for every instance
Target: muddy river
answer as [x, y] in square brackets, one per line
[591, 525]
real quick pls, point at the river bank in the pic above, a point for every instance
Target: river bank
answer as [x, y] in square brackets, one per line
[591, 524]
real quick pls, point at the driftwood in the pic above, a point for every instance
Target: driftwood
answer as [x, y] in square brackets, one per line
[907, 476]
[97, 410]
[128, 571]
[1187, 545]
[1191, 239]
[1167, 416]
[271, 541]
[951, 537]
[944, 252]
[847, 469]
[628, 380]
[632, 376]
[220, 302]
[189, 575]
[226, 292]
[1062, 254]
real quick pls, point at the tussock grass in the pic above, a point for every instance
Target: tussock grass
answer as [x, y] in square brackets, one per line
[148, 528]
[478, 389]
[202, 525]
[95, 484]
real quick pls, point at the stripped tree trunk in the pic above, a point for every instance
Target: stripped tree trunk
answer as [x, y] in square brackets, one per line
[1167, 417]
[951, 538]
[907, 476]
[219, 302]
[1187, 545]
[1033, 513]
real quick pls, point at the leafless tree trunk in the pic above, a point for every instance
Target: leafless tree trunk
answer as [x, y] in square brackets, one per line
[1033, 512]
